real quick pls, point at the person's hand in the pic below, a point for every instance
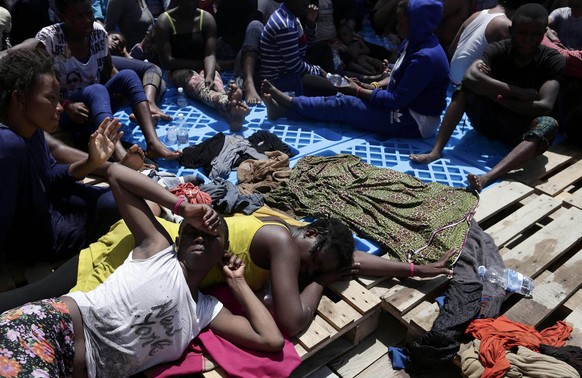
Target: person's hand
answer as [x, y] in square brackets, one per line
[362, 84]
[209, 83]
[342, 274]
[351, 88]
[77, 111]
[312, 12]
[440, 267]
[202, 217]
[484, 68]
[233, 267]
[102, 142]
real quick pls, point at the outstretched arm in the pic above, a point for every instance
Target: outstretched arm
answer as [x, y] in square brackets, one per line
[377, 266]
[257, 329]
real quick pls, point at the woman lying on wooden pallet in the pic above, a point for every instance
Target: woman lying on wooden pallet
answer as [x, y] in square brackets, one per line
[150, 308]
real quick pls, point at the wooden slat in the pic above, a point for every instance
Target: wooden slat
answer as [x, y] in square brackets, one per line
[421, 318]
[322, 357]
[324, 372]
[561, 180]
[372, 348]
[535, 253]
[574, 199]
[551, 161]
[356, 295]
[515, 223]
[338, 314]
[499, 197]
[401, 298]
[550, 291]
[314, 334]
[382, 367]
[575, 318]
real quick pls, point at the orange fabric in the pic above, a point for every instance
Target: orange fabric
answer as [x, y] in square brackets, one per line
[192, 193]
[498, 335]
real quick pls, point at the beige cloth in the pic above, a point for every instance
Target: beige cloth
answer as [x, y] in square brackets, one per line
[262, 176]
[524, 364]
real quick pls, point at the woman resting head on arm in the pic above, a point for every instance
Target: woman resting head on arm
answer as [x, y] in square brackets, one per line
[150, 308]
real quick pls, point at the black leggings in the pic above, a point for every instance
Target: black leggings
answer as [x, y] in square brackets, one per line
[59, 282]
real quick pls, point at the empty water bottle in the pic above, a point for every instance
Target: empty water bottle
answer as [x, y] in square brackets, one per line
[337, 80]
[182, 100]
[182, 129]
[509, 279]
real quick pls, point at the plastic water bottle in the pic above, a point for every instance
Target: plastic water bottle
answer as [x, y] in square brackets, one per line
[509, 279]
[182, 134]
[182, 101]
[337, 80]
[172, 135]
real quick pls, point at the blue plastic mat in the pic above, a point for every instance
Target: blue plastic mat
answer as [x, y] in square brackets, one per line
[466, 152]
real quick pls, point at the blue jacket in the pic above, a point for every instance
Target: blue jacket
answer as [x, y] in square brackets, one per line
[421, 81]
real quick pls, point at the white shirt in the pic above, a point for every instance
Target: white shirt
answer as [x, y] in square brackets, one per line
[142, 315]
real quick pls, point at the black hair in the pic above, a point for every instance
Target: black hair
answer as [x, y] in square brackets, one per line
[20, 68]
[63, 5]
[403, 4]
[533, 11]
[512, 4]
[335, 239]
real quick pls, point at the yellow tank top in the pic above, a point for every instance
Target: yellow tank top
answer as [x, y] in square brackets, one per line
[241, 231]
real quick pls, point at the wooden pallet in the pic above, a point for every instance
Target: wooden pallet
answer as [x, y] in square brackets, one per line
[539, 236]
[344, 317]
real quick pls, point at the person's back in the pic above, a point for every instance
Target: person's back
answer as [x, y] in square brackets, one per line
[567, 23]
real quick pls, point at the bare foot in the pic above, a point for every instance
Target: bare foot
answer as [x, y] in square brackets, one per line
[157, 113]
[238, 110]
[424, 158]
[274, 110]
[159, 150]
[252, 98]
[477, 182]
[133, 158]
[280, 98]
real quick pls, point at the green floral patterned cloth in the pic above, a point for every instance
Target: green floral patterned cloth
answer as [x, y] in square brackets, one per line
[411, 220]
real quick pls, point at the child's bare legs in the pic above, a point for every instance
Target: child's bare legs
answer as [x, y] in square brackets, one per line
[276, 101]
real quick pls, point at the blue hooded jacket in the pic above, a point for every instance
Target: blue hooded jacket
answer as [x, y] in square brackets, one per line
[421, 81]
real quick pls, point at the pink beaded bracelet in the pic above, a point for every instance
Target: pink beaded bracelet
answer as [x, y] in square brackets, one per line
[411, 269]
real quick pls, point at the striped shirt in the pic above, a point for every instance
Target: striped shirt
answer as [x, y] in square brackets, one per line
[283, 45]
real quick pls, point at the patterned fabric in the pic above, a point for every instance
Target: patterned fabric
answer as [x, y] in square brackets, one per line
[217, 97]
[543, 129]
[411, 220]
[36, 340]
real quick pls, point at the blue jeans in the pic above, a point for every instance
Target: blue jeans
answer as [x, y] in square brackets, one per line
[102, 99]
[390, 123]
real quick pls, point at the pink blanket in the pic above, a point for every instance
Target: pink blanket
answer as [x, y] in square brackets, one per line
[235, 361]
